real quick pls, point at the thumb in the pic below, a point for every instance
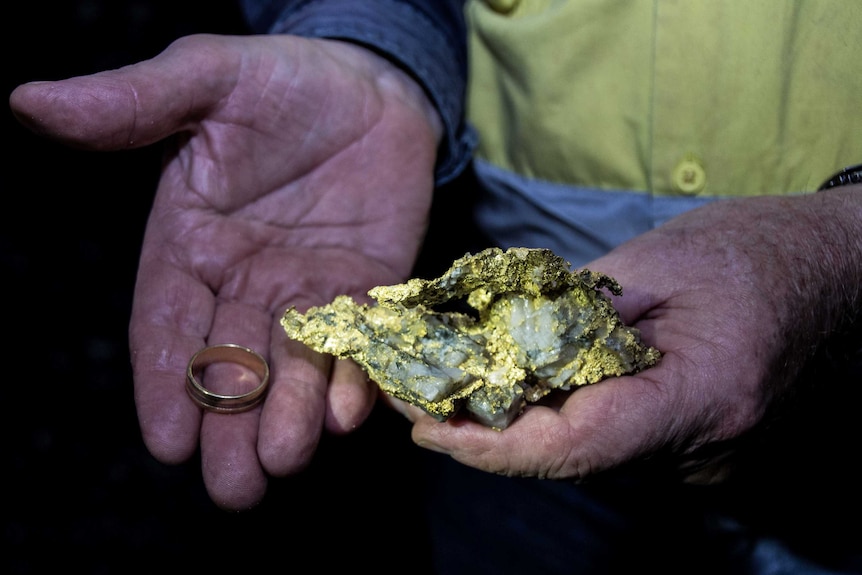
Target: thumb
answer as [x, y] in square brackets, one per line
[130, 107]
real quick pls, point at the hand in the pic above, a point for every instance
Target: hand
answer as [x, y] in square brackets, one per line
[735, 295]
[299, 170]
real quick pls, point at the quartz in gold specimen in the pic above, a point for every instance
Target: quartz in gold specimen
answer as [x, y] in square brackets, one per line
[526, 325]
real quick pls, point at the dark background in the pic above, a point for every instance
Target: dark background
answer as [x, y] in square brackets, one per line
[81, 492]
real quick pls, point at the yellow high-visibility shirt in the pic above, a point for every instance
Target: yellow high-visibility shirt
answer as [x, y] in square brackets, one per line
[694, 98]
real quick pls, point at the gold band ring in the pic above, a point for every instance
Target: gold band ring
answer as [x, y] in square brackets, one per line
[226, 353]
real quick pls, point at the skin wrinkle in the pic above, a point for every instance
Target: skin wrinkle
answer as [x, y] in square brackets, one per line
[560, 434]
[724, 420]
[133, 128]
[236, 281]
[177, 310]
[178, 151]
[309, 134]
[306, 221]
[581, 464]
[801, 329]
[193, 113]
[689, 356]
[198, 165]
[849, 291]
[303, 292]
[345, 241]
[707, 421]
[212, 271]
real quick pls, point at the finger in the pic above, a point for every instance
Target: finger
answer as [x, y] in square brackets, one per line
[351, 397]
[133, 106]
[409, 411]
[232, 471]
[530, 446]
[599, 427]
[170, 317]
[293, 414]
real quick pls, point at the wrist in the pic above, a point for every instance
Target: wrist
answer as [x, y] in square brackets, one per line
[835, 256]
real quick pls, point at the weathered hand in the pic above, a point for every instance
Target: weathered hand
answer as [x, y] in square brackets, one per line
[735, 295]
[298, 170]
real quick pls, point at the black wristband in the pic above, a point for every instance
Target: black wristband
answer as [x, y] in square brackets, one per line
[847, 176]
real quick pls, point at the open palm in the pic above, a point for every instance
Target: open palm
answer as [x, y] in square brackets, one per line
[297, 170]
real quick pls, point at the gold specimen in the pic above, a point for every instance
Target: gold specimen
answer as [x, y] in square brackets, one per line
[498, 330]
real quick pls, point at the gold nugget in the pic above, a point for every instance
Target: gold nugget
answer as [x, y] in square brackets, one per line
[529, 325]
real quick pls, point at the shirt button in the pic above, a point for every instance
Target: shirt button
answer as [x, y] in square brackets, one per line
[688, 176]
[502, 6]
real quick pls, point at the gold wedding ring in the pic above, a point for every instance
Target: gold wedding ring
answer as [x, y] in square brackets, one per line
[226, 353]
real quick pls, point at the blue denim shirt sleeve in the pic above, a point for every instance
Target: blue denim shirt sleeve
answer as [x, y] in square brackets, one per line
[427, 39]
